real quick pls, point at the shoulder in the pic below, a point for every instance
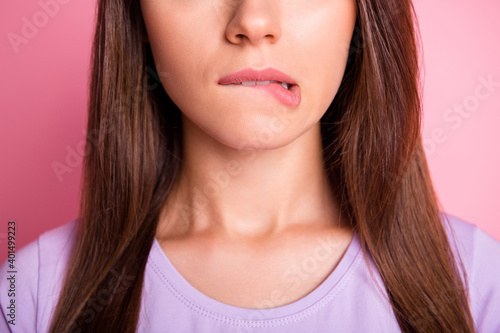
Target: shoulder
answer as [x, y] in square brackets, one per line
[475, 247]
[29, 281]
[480, 255]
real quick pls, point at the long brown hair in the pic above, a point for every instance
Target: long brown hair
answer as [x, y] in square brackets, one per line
[372, 150]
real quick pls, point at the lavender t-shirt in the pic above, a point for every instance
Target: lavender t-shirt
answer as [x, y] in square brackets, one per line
[348, 300]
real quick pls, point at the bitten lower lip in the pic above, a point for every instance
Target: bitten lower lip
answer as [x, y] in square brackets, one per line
[262, 79]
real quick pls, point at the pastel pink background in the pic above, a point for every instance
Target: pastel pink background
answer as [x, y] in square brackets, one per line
[43, 104]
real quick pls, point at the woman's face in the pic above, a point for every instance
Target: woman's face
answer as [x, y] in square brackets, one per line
[197, 44]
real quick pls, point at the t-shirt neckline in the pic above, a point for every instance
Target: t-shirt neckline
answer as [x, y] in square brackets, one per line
[302, 307]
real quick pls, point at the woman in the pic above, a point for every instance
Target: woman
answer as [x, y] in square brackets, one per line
[256, 166]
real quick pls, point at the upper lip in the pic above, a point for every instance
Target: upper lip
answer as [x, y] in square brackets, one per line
[249, 74]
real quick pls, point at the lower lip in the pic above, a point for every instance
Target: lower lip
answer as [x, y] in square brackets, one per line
[287, 97]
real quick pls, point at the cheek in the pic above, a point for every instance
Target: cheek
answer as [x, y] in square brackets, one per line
[177, 46]
[333, 55]
[325, 55]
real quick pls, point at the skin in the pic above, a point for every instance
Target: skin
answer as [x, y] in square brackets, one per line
[252, 190]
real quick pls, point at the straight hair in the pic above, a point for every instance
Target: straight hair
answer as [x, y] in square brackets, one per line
[373, 153]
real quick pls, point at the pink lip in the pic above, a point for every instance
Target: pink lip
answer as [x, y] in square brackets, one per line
[290, 97]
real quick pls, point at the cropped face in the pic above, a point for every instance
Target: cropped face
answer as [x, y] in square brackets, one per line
[251, 73]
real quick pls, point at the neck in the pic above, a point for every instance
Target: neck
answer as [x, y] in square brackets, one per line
[249, 193]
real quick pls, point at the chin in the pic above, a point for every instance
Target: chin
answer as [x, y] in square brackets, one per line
[249, 139]
[249, 132]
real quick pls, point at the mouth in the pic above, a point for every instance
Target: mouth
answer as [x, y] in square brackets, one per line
[285, 85]
[262, 77]
[269, 80]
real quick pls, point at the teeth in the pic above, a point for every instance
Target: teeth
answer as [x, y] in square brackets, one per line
[263, 83]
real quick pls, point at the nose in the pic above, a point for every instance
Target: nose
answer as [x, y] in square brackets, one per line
[254, 21]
